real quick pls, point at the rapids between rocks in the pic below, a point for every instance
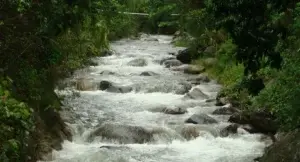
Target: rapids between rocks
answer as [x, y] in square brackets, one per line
[148, 122]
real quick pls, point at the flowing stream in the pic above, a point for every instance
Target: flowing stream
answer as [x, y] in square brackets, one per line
[132, 127]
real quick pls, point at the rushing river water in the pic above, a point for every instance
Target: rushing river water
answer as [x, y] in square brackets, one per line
[132, 127]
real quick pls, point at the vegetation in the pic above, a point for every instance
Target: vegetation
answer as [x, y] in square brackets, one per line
[42, 42]
[257, 52]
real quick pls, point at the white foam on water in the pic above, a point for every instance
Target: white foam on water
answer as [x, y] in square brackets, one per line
[95, 107]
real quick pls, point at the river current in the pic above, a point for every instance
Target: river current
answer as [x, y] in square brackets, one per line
[156, 136]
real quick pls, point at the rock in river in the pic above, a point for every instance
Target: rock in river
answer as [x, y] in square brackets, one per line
[201, 119]
[185, 56]
[196, 93]
[172, 63]
[262, 121]
[148, 73]
[138, 62]
[194, 69]
[83, 84]
[123, 133]
[111, 87]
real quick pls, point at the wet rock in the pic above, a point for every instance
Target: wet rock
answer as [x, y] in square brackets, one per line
[161, 62]
[263, 122]
[221, 101]
[172, 63]
[148, 73]
[104, 85]
[195, 94]
[201, 78]
[150, 39]
[138, 62]
[107, 72]
[225, 111]
[83, 84]
[185, 88]
[170, 110]
[287, 149]
[193, 131]
[210, 100]
[179, 68]
[123, 133]
[114, 147]
[231, 129]
[111, 87]
[106, 52]
[201, 119]
[172, 53]
[194, 69]
[249, 128]
[185, 56]
[175, 111]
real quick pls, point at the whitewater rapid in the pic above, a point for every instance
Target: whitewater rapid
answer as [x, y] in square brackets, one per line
[92, 108]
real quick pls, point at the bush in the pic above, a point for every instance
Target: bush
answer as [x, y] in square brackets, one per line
[281, 95]
[16, 123]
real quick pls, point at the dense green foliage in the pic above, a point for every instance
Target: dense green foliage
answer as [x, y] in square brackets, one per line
[257, 51]
[40, 43]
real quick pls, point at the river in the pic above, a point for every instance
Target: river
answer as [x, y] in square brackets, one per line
[132, 127]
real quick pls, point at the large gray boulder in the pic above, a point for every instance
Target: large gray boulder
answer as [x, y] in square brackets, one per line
[201, 119]
[123, 133]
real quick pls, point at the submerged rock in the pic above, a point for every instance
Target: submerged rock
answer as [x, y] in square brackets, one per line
[148, 73]
[185, 87]
[123, 133]
[231, 129]
[107, 72]
[83, 84]
[111, 87]
[170, 110]
[175, 111]
[193, 131]
[138, 62]
[201, 119]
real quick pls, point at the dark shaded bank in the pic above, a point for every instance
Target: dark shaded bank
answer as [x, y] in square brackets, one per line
[286, 149]
[50, 131]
